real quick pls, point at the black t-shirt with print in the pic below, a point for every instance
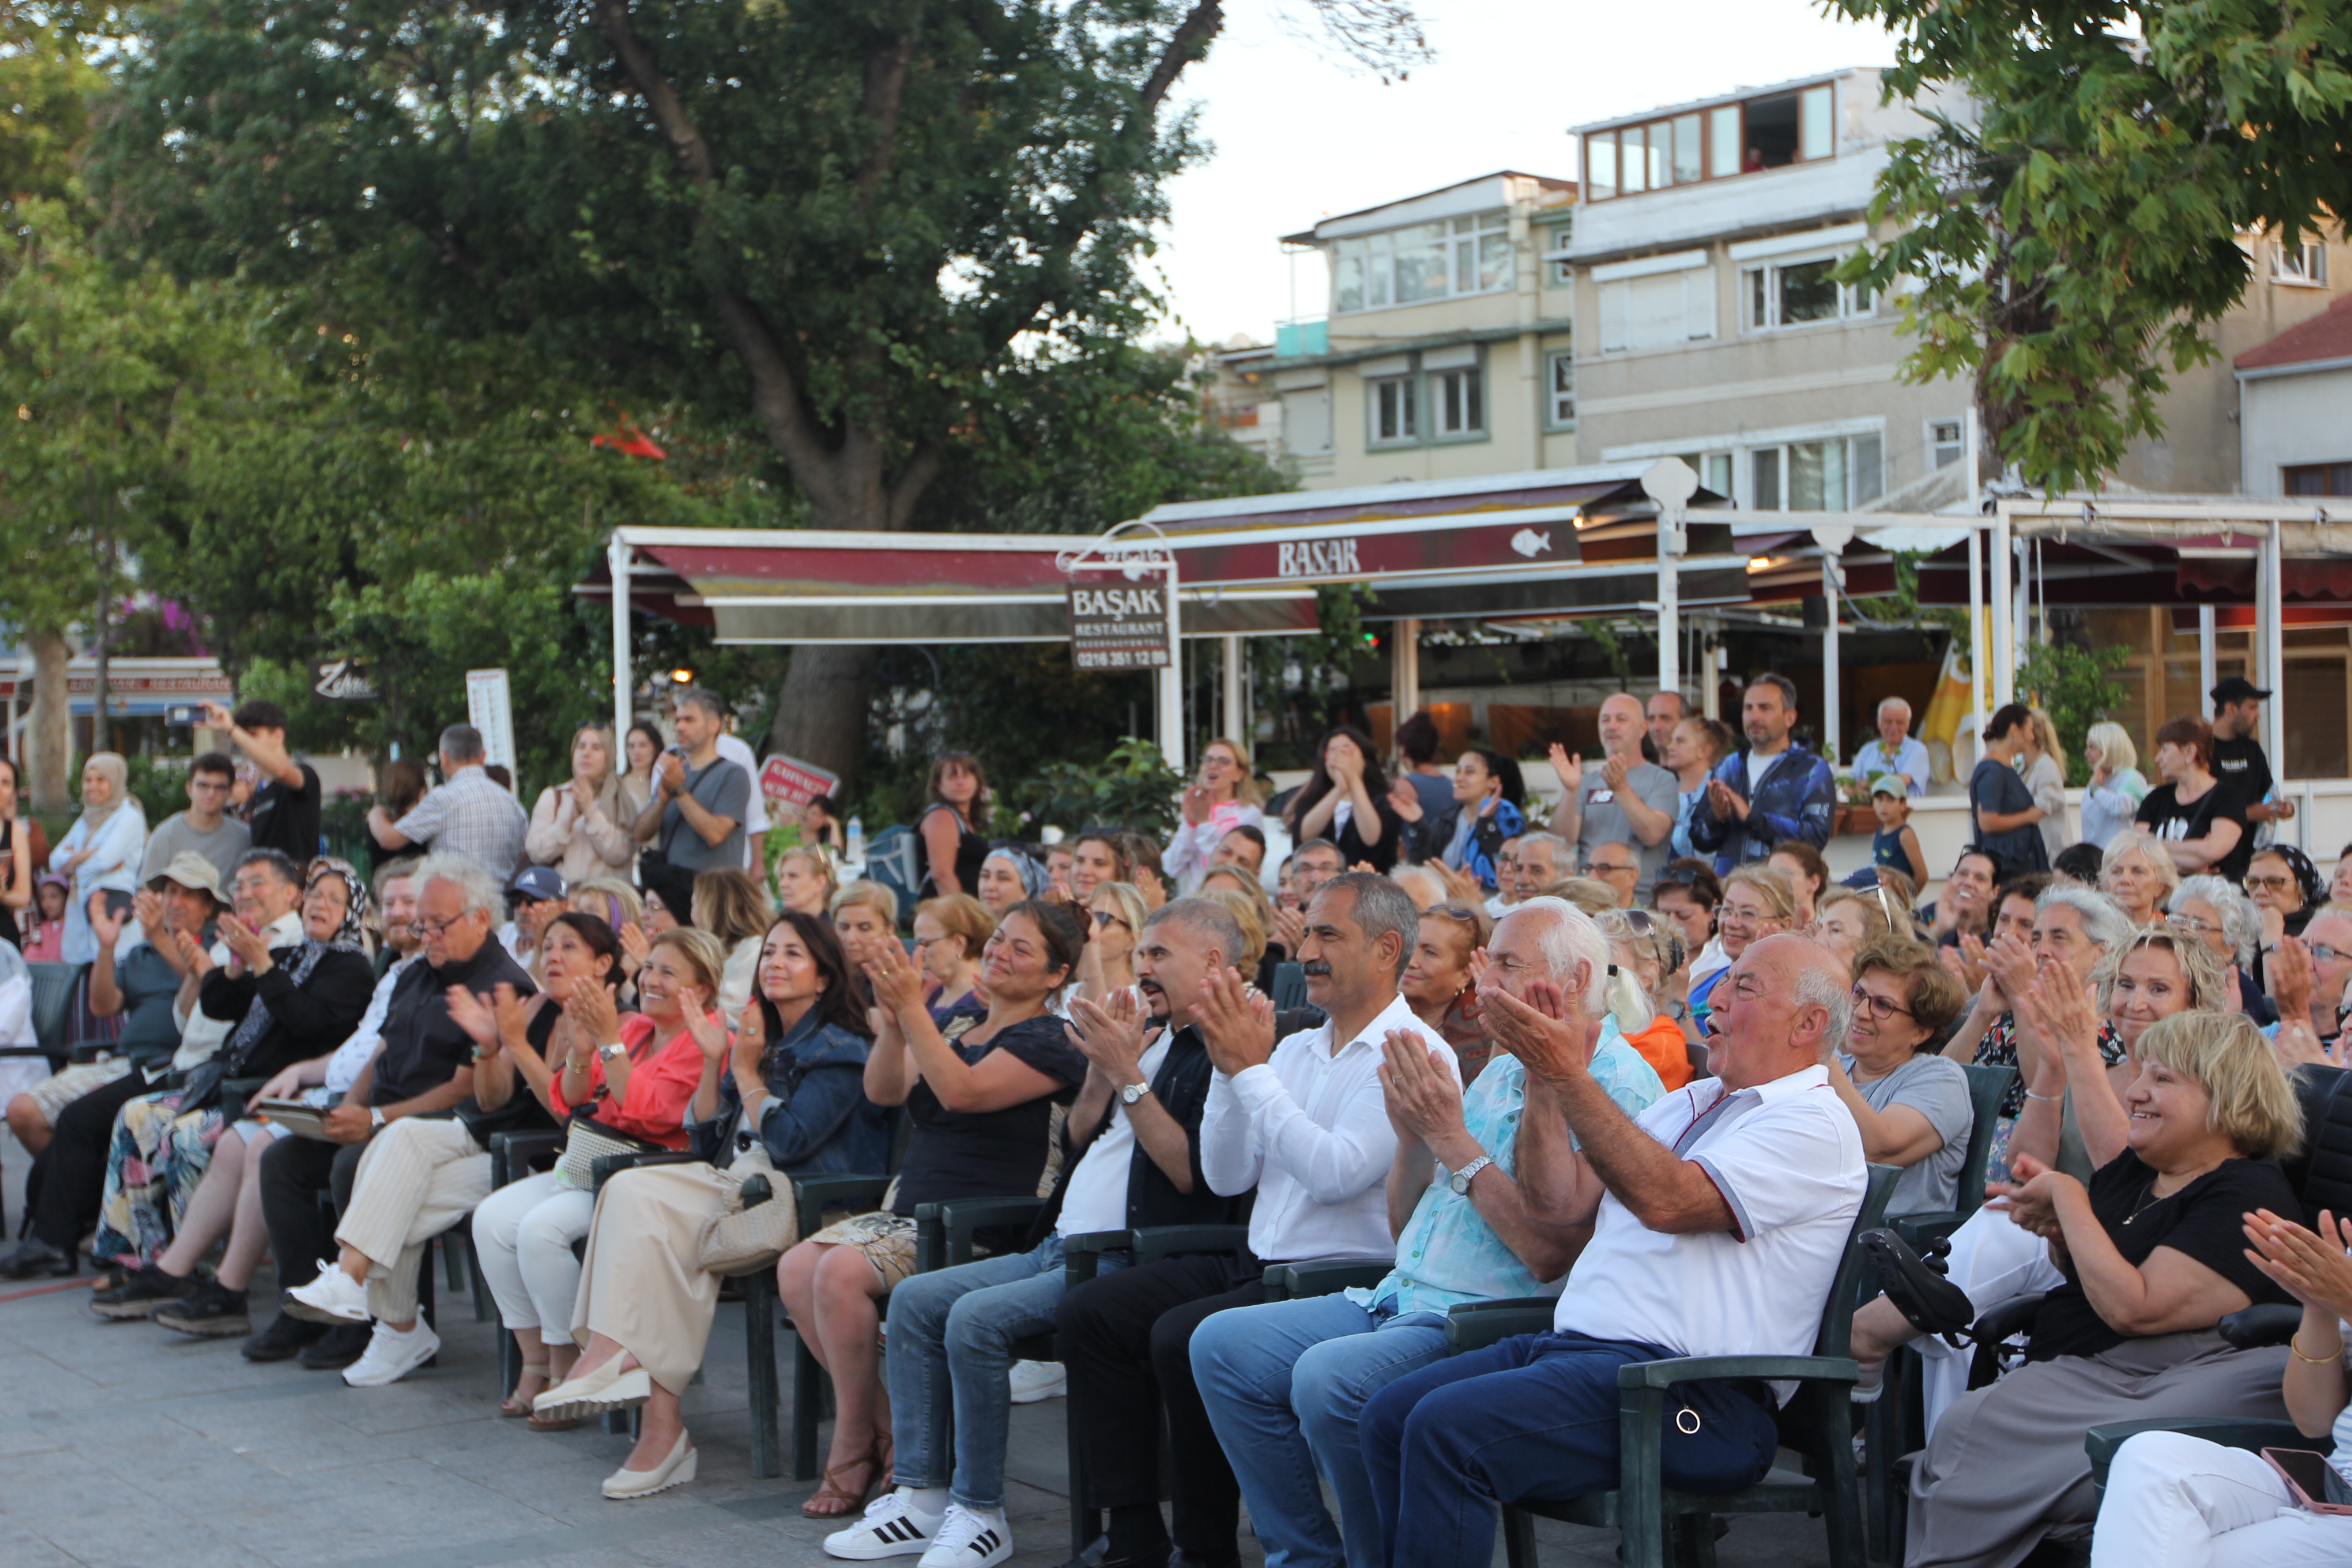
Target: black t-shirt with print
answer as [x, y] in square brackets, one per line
[956, 1154]
[2164, 814]
[2204, 1222]
[2240, 764]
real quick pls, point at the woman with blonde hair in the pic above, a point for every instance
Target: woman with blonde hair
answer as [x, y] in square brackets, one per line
[729, 905]
[1253, 915]
[2111, 800]
[1224, 796]
[2137, 873]
[578, 827]
[1846, 921]
[1116, 912]
[1757, 901]
[806, 880]
[950, 932]
[866, 918]
[2045, 776]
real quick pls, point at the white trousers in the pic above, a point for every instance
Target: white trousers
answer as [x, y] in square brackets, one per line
[523, 1234]
[416, 1179]
[1993, 1259]
[2177, 1501]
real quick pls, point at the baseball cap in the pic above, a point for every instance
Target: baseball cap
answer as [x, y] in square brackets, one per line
[192, 871]
[1889, 783]
[2238, 689]
[536, 883]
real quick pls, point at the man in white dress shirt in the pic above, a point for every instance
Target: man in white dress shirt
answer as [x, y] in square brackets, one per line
[1719, 1219]
[1304, 1122]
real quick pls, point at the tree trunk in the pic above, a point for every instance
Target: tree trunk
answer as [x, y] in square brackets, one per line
[821, 713]
[49, 735]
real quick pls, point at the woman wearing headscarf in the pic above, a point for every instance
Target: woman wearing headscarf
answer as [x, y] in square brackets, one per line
[2286, 890]
[1008, 876]
[100, 851]
[579, 827]
[288, 1002]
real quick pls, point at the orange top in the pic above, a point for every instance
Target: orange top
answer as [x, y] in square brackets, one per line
[662, 1079]
[1663, 1046]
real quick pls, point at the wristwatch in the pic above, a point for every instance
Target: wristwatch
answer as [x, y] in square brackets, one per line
[1133, 1092]
[613, 1051]
[375, 1118]
[1460, 1180]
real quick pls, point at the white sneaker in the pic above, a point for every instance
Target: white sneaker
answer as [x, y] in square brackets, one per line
[892, 1526]
[334, 1297]
[392, 1355]
[969, 1540]
[1036, 1380]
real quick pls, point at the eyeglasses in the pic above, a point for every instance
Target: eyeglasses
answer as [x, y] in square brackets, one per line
[1104, 919]
[1601, 868]
[430, 927]
[2327, 954]
[2191, 924]
[2269, 884]
[1879, 1008]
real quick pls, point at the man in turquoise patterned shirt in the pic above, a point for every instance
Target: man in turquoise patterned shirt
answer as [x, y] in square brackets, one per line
[1284, 1381]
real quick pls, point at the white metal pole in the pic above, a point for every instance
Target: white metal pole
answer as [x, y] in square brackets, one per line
[1977, 650]
[623, 678]
[1833, 699]
[1235, 722]
[1670, 605]
[2004, 667]
[2269, 618]
[2021, 610]
[1404, 659]
[2208, 670]
[1171, 681]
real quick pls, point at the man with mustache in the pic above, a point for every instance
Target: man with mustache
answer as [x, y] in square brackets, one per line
[1134, 1160]
[1304, 1123]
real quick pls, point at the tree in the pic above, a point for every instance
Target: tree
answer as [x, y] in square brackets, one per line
[2070, 244]
[837, 224]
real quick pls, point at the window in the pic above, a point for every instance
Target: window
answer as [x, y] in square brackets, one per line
[1714, 472]
[1469, 255]
[1457, 403]
[1395, 419]
[1767, 133]
[2305, 263]
[2319, 479]
[1831, 474]
[1655, 310]
[1943, 442]
[1562, 407]
[1796, 293]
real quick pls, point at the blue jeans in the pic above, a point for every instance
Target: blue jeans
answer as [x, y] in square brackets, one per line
[1534, 1416]
[1285, 1384]
[952, 1337]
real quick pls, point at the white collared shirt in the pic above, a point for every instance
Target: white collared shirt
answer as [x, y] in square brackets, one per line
[735, 750]
[1788, 1158]
[1309, 1129]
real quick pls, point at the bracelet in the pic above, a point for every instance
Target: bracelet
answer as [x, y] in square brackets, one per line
[2052, 1099]
[2315, 1360]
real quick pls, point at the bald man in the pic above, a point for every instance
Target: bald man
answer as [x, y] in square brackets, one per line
[1622, 799]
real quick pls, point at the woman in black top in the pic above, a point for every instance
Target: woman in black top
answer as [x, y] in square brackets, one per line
[2199, 819]
[1998, 798]
[2154, 1252]
[949, 830]
[985, 1091]
[1347, 802]
[15, 857]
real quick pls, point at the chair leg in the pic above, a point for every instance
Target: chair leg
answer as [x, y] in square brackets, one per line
[1880, 1420]
[808, 1407]
[759, 1353]
[1833, 1422]
[1641, 1484]
[1518, 1537]
[452, 1266]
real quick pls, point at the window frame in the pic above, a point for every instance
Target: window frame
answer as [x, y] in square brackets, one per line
[1854, 461]
[1935, 444]
[1658, 135]
[1378, 251]
[1473, 377]
[1554, 359]
[1407, 383]
[1854, 303]
[2308, 270]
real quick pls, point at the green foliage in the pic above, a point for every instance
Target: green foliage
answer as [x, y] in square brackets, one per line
[2071, 243]
[1133, 788]
[2071, 685]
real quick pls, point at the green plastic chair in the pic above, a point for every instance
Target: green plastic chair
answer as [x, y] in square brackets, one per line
[1817, 1422]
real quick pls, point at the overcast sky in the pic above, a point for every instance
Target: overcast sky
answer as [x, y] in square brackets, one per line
[1298, 134]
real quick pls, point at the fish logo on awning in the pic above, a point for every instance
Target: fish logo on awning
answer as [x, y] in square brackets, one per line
[1530, 543]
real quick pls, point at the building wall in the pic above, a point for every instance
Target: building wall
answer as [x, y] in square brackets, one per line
[2291, 420]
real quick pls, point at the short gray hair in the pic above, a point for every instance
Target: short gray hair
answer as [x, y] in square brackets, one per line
[1568, 939]
[281, 865]
[1206, 917]
[1567, 851]
[1887, 702]
[700, 697]
[1381, 908]
[470, 877]
[2106, 926]
[1820, 988]
[1422, 884]
[2242, 924]
[462, 744]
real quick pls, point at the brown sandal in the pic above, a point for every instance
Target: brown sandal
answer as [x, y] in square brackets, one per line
[514, 1407]
[834, 1500]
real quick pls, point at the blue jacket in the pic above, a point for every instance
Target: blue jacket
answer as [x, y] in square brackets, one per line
[1798, 800]
[821, 1123]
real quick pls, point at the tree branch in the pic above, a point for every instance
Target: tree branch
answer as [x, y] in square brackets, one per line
[885, 86]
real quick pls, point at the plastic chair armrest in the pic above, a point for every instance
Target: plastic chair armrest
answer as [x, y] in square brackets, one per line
[2256, 1327]
[814, 1194]
[512, 1152]
[2008, 1319]
[1178, 1240]
[1325, 1275]
[1484, 1323]
[943, 1231]
[1082, 1254]
[1721, 1368]
[604, 1167]
[2100, 1443]
[1918, 1229]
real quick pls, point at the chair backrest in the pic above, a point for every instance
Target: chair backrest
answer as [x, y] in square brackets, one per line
[2322, 1170]
[1837, 1316]
[1289, 987]
[1987, 1087]
[53, 986]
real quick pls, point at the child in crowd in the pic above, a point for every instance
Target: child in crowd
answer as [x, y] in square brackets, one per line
[1896, 843]
[44, 941]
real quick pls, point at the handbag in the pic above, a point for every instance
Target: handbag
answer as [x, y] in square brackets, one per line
[586, 1141]
[755, 1225]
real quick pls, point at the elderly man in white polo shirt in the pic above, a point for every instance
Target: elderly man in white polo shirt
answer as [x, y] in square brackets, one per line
[1719, 1218]
[1895, 752]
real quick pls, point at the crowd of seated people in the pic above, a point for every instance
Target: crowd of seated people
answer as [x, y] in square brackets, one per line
[1575, 1066]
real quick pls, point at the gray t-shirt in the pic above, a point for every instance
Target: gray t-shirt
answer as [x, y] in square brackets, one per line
[1936, 1088]
[722, 789]
[222, 846]
[1605, 821]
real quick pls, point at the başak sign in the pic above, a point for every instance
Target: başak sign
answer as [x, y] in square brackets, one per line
[1118, 624]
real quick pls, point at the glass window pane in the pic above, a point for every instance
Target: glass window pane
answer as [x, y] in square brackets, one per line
[1495, 220]
[1687, 149]
[1808, 293]
[1465, 266]
[1634, 164]
[1658, 156]
[1718, 473]
[1408, 426]
[1813, 120]
[1600, 165]
[1474, 400]
[1758, 300]
[1348, 283]
[1465, 225]
[1420, 263]
[1563, 388]
[1767, 474]
[1723, 142]
[1869, 481]
[1807, 477]
[1496, 257]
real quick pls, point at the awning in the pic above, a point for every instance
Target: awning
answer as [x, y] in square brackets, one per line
[2083, 570]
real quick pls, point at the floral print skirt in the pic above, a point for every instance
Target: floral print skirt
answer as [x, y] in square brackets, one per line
[159, 1155]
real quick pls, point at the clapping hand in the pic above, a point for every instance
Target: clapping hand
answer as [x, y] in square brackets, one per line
[709, 1033]
[2009, 965]
[1110, 1034]
[1460, 887]
[896, 980]
[590, 1008]
[583, 796]
[669, 772]
[1424, 1104]
[1290, 930]
[1537, 1030]
[1569, 767]
[1236, 1022]
[1614, 772]
[148, 906]
[2032, 1200]
[748, 1065]
[473, 1014]
[194, 954]
[2292, 979]
[635, 947]
[1197, 804]
[1725, 802]
[2312, 1269]
[1404, 799]
[104, 924]
[246, 945]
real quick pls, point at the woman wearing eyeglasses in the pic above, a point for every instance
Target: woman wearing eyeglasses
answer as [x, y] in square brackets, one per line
[1758, 902]
[1108, 965]
[1910, 1102]
[2212, 911]
[1222, 798]
[2285, 889]
[950, 932]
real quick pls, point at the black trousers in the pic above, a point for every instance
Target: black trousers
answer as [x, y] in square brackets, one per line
[73, 1167]
[294, 1172]
[1126, 1343]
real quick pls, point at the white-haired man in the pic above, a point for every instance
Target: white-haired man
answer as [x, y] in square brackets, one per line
[1894, 751]
[1283, 1383]
[1719, 1220]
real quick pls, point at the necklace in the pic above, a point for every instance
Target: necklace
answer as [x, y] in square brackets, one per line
[2145, 1199]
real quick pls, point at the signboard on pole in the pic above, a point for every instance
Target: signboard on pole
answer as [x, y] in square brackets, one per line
[343, 681]
[788, 781]
[1118, 622]
[489, 710]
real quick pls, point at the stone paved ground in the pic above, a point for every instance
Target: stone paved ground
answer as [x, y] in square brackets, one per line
[123, 1445]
